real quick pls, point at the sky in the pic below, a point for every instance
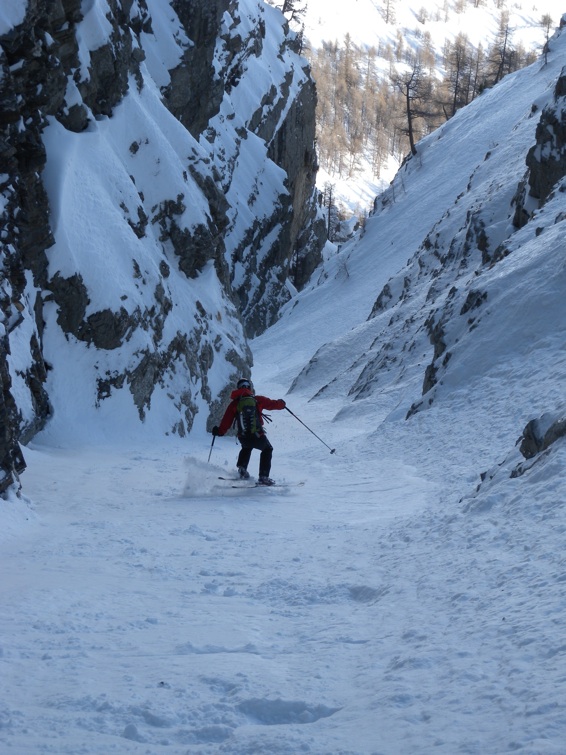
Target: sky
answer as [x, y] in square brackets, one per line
[381, 599]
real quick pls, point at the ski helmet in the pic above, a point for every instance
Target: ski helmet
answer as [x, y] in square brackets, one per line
[244, 383]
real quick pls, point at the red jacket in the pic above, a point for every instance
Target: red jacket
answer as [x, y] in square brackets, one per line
[262, 403]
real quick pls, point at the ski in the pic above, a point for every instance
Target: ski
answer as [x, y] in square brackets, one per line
[281, 485]
[251, 484]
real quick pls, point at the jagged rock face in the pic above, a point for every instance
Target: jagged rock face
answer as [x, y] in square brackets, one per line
[195, 92]
[273, 227]
[24, 219]
[546, 160]
[13, 463]
[148, 143]
[215, 72]
[292, 147]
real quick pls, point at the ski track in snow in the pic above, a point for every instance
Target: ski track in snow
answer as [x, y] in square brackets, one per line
[154, 610]
[143, 612]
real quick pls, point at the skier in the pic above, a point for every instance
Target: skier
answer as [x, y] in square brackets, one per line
[245, 411]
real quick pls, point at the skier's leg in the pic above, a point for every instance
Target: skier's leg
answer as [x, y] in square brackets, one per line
[265, 457]
[244, 457]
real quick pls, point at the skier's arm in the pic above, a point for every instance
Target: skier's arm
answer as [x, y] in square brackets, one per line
[269, 403]
[227, 419]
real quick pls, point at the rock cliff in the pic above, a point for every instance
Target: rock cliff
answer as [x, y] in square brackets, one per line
[157, 170]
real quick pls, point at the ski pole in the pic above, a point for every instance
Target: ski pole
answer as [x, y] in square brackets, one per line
[332, 450]
[211, 445]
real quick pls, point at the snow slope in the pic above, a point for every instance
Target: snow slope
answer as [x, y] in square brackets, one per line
[392, 604]
[364, 21]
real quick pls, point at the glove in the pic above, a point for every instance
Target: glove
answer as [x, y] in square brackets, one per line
[215, 430]
[282, 402]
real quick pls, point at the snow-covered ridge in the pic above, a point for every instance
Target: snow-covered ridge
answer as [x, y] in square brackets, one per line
[478, 297]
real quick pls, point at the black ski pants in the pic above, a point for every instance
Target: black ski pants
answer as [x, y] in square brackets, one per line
[260, 443]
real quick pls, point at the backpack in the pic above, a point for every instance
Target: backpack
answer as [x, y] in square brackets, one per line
[247, 416]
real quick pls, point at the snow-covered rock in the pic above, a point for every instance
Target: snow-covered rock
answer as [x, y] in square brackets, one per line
[157, 185]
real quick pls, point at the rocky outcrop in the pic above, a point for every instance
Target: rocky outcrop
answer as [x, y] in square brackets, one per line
[12, 462]
[541, 441]
[546, 160]
[196, 92]
[26, 232]
[539, 434]
[153, 199]
[292, 146]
